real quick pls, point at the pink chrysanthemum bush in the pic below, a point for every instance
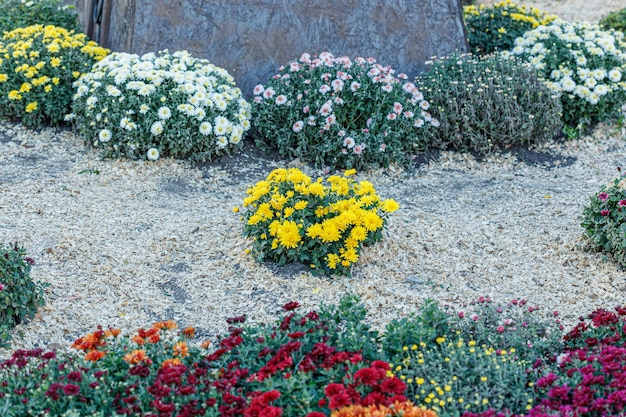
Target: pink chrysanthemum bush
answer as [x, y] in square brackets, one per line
[341, 113]
[294, 219]
[604, 220]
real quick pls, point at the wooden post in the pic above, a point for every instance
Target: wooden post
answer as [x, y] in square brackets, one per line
[120, 25]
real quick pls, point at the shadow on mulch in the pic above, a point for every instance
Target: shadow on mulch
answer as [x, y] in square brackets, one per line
[249, 161]
[254, 162]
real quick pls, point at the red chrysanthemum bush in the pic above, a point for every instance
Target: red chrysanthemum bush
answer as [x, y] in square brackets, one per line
[305, 364]
[590, 379]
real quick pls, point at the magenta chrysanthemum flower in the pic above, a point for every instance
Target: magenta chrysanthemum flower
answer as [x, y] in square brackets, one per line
[603, 196]
[622, 203]
[604, 212]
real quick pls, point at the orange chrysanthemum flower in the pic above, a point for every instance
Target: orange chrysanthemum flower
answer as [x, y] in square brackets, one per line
[404, 409]
[154, 338]
[94, 356]
[205, 344]
[90, 342]
[139, 340]
[112, 332]
[181, 349]
[137, 356]
[189, 332]
[171, 362]
[163, 325]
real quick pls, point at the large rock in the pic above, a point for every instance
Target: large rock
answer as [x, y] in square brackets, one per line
[252, 38]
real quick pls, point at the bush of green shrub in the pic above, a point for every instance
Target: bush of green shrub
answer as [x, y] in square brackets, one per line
[487, 103]
[19, 295]
[38, 65]
[340, 113]
[491, 28]
[615, 20]
[582, 63]
[162, 104]
[22, 13]
[604, 220]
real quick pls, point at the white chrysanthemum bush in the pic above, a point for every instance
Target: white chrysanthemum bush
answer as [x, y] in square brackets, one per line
[582, 63]
[160, 105]
[341, 113]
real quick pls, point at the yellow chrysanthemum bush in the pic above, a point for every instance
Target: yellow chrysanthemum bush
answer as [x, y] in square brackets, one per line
[38, 65]
[496, 27]
[295, 219]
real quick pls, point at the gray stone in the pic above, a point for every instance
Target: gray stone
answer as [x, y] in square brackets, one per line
[252, 38]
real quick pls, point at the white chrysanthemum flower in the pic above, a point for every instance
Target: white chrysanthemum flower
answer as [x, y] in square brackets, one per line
[164, 113]
[581, 60]
[220, 130]
[601, 90]
[593, 98]
[146, 90]
[590, 82]
[221, 121]
[599, 74]
[584, 73]
[153, 154]
[221, 105]
[235, 139]
[567, 84]
[582, 91]
[143, 109]
[206, 128]
[221, 142]
[113, 91]
[615, 75]
[104, 135]
[82, 90]
[91, 101]
[157, 128]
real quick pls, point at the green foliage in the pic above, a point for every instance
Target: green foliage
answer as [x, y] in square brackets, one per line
[163, 104]
[535, 335]
[340, 113]
[604, 220]
[455, 375]
[426, 326]
[22, 13]
[472, 361]
[37, 68]
[614, 20]
[585, 65]
[489, 102]
[293, 219]
[19, 295]
[495, 28]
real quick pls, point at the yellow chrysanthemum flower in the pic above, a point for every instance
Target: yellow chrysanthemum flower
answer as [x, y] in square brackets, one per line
[389, 206]
[31, 107]
[288, 234]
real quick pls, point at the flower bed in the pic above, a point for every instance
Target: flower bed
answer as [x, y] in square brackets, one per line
[329, 362]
